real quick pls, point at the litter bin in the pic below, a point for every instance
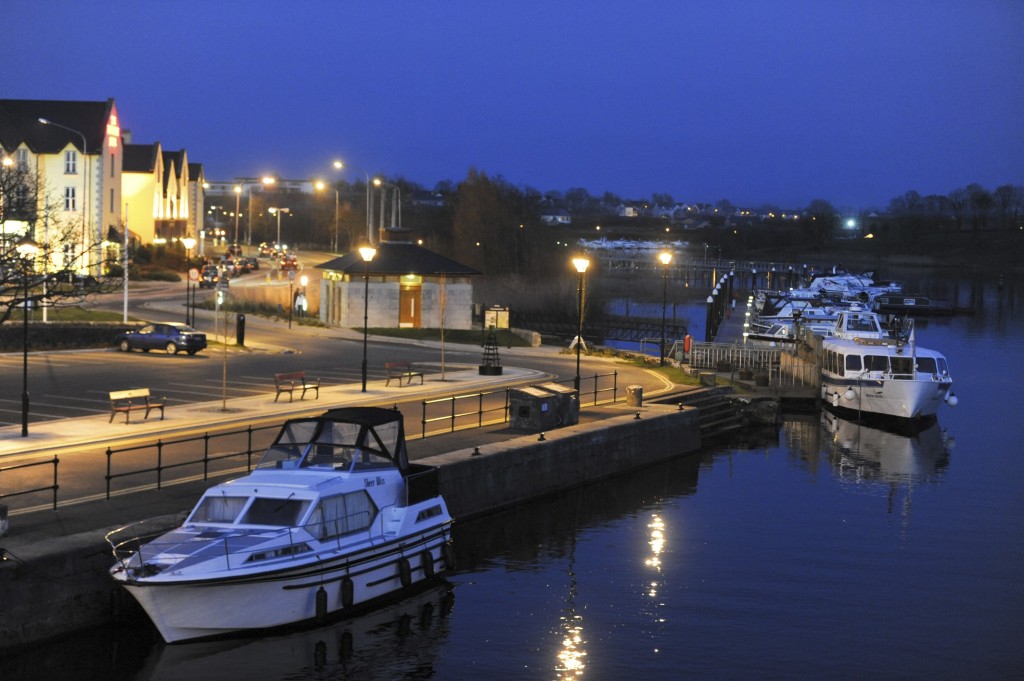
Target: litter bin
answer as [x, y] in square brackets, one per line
[568, 403]
[240, 329]
[634, 396]
[3, 520]
[533, 409]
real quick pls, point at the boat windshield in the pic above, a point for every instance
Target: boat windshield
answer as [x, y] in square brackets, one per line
[217, 508]
[277, 512]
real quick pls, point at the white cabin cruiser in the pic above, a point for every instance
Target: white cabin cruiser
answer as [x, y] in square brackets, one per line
[332, 517]
[867, 370]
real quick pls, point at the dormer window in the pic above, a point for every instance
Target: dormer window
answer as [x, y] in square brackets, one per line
[70, 162]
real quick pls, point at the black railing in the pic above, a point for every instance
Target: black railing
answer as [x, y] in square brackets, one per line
[54, 487]
[206, 459]
[495, 402]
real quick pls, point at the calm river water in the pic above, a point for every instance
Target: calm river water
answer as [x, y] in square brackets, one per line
[825, 550]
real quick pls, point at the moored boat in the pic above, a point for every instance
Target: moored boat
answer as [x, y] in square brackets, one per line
[333, 517]
[868, 369]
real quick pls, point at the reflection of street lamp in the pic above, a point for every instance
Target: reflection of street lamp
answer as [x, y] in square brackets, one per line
[320, 186]
[27, 249]
[277, 211]
[367, 252]
[581, 264]
[665, 257]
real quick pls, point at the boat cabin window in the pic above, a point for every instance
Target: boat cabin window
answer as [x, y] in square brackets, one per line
[853, 363]
[277, 512]
[926, 365]
[876, 363]
[859, 323]
[342, 514]
[902, 366]
[217, 509]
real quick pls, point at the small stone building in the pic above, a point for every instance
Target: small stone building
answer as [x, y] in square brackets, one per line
[408, 287]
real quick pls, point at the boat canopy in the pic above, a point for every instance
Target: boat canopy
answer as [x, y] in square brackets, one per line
[366, 436]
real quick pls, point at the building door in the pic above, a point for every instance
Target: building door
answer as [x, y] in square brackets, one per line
[409, 307]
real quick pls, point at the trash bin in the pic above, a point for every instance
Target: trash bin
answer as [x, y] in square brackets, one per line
[240, 329]
[533, 409]
[568, 402]
[634, 396]
[3, 520]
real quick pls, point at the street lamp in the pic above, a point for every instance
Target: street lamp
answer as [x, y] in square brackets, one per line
[238, 199]
[665, 257]
[581, 264]
[277, 211]
[338, 165]
[367, 252]
[188, 242]
[85, 180]
[320, 186]
[27, 249]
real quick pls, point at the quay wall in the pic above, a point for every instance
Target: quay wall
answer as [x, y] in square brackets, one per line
[64, 587]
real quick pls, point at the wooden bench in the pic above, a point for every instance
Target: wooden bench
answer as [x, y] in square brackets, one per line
[127, 401]
[295, 380]
[401, 369]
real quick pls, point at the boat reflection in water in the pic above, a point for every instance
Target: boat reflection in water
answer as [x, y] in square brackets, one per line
[398, 640]
[866, 453]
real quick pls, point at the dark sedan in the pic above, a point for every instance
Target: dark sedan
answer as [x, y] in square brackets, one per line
[170, 337]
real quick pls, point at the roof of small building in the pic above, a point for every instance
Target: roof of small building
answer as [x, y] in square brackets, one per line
[399, 258]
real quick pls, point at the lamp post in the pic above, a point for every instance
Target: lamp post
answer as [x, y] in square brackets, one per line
[85, 180]
[320, 186]
[277, 211]
[581, 264]
[367, 252]
[238, 199]
[27, 249]
[665, 257]
[188, 242]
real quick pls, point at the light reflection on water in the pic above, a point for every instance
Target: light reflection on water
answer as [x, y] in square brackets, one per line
[827, 549]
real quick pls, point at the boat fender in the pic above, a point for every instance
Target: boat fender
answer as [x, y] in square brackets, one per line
[951, 400]
[427, 559]
[404, 571]
[448, 553]
[321, 603]
[835, 399]
[347, 592]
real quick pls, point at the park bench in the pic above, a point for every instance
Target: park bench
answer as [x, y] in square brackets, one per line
[401, 369]
[127, 401]
[295, 380]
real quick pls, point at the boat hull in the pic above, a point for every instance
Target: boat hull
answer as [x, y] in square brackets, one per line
[191, 609]
[911, 399]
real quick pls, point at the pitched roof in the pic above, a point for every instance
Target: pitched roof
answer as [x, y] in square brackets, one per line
[19, 122]
[140, 158]
[398, 258]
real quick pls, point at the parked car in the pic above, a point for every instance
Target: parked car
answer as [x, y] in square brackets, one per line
[171, 337]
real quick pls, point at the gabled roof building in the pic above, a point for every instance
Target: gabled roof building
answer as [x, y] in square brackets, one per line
[408, 287]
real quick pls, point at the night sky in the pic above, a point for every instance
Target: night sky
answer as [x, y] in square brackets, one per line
[757, 102]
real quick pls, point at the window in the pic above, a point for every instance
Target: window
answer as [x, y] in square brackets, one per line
[926, 365]
[278, 512]
[111, 200]
[336, 516]
[218, 509]
[21, 157]
[853, 362]
[70, 204]
[111, 166]
[70, 162]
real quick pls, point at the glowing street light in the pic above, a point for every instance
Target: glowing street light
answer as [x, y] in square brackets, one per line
[581, 264]
[27, 249]
[367, 252]
[277, 211]
[320, 186]
[665, 257]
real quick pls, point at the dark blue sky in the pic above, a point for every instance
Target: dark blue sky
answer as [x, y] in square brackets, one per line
[784, 101]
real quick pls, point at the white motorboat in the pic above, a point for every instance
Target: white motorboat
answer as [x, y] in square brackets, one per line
[867, 369]
[333, 517]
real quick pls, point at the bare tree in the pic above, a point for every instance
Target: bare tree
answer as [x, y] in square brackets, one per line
[45, 265]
